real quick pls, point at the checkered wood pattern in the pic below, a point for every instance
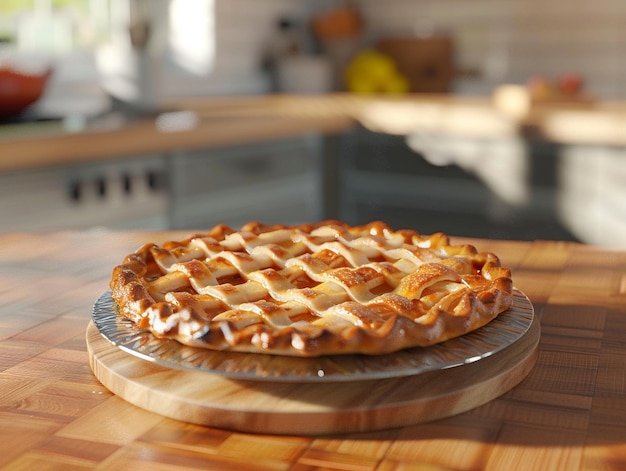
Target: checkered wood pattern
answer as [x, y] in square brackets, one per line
[569, 413]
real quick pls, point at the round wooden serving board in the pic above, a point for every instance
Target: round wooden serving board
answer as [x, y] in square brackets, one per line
[309, 408]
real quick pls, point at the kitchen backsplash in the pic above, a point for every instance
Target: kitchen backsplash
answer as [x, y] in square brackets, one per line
[495, 42]
[512, 40]
[500, 40]
[243, 29]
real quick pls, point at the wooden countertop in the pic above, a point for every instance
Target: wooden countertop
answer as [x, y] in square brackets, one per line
[232, 120]
[569, 413]
[112, 139]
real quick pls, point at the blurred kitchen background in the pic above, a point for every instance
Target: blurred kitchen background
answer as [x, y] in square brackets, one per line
[116, 62]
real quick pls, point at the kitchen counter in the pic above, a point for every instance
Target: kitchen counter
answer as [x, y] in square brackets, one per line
[568, 413]
[209, 122]
[118, 138]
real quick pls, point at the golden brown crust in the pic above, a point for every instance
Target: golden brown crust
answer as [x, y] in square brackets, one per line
[311, 289]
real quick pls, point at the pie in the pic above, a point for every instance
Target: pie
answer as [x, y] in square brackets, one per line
[312, 289]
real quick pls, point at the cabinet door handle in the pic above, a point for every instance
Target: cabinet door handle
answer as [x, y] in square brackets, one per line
[127, 183]
[74, 190]
[155, 180]
[101, 187]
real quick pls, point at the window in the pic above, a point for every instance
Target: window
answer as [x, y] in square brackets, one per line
[53, 26]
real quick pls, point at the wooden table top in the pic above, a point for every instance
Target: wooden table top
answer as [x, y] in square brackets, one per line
[569, 413]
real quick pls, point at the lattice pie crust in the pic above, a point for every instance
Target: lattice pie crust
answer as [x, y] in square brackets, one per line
[310, 290]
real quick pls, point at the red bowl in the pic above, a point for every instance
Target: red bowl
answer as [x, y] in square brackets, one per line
[19, 90]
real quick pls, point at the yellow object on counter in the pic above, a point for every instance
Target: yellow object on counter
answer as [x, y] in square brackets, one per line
[372, 71]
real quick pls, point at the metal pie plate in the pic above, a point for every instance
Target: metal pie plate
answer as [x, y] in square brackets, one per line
[500, 333]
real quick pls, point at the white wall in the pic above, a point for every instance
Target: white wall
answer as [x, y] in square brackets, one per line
[243, 28]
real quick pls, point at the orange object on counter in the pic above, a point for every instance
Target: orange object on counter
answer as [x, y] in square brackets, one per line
[339, 23]
[19, 90]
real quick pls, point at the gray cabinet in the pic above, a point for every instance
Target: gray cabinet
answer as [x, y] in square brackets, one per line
[128, 194]
[273, 182]
[382, 177]
[270, 181]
